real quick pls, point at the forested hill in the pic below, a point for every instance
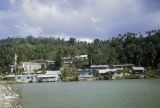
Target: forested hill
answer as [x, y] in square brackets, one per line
[127, 48]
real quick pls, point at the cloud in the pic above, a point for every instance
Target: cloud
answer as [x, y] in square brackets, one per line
[86, 19]
[12, 1]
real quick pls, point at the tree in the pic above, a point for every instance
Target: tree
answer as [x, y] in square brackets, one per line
[125, 48]
[58, 60]
[72, 41]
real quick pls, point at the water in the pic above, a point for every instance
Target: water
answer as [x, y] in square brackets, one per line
[92, 94]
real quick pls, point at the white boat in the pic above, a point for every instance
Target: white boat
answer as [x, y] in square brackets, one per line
[50, 76]
[25, 78]
[21, 78]
[47, 78]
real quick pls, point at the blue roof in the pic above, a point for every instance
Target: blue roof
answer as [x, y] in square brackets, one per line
[87, 73]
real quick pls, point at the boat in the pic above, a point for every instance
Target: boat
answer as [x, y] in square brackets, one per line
[49, 76]
[25, 78]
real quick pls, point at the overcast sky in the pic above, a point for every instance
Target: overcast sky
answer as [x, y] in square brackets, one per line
[82, 19]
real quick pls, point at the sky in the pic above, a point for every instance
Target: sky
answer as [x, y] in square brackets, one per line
[81, 19]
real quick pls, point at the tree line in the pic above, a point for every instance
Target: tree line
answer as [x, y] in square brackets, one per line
[141, 50]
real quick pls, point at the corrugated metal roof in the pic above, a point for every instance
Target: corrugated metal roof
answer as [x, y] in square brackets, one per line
[107, 70]
[122, 65]
[45, 76]
[99, 66]
[138, 68]
[53, 72]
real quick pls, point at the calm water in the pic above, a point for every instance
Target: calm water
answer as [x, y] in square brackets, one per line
[92, 94]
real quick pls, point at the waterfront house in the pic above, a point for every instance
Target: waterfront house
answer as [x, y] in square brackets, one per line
[117, 74]
[96, 68]
[86, 75]
[138, 71]
[122, 66]
[110, 74]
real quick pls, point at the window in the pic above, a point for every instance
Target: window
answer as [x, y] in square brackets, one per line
[19, 78]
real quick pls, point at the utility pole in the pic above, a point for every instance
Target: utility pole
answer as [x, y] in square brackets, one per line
[15, 62]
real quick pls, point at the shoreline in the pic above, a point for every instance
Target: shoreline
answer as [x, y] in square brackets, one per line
[9, 82]
[8, 98]
[14, 82]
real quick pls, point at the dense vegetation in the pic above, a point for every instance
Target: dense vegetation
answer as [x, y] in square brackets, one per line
[127, 48]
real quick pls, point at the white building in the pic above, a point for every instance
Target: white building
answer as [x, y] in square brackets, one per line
[122, 66]
[83, 57]
[114, 73]
[138, 71]
[30, 66]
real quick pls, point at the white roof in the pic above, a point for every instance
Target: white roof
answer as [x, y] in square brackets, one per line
[99, 66]
[103, 70]
[67, 62]
[39, 72]
[49, 61]
[138, 68]
[107, 70]
[8, 76]
[44, 76]
[67, 57]
[53, 72]
[122, 65]
[28, 72]
[82, 56]
[31, 63]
